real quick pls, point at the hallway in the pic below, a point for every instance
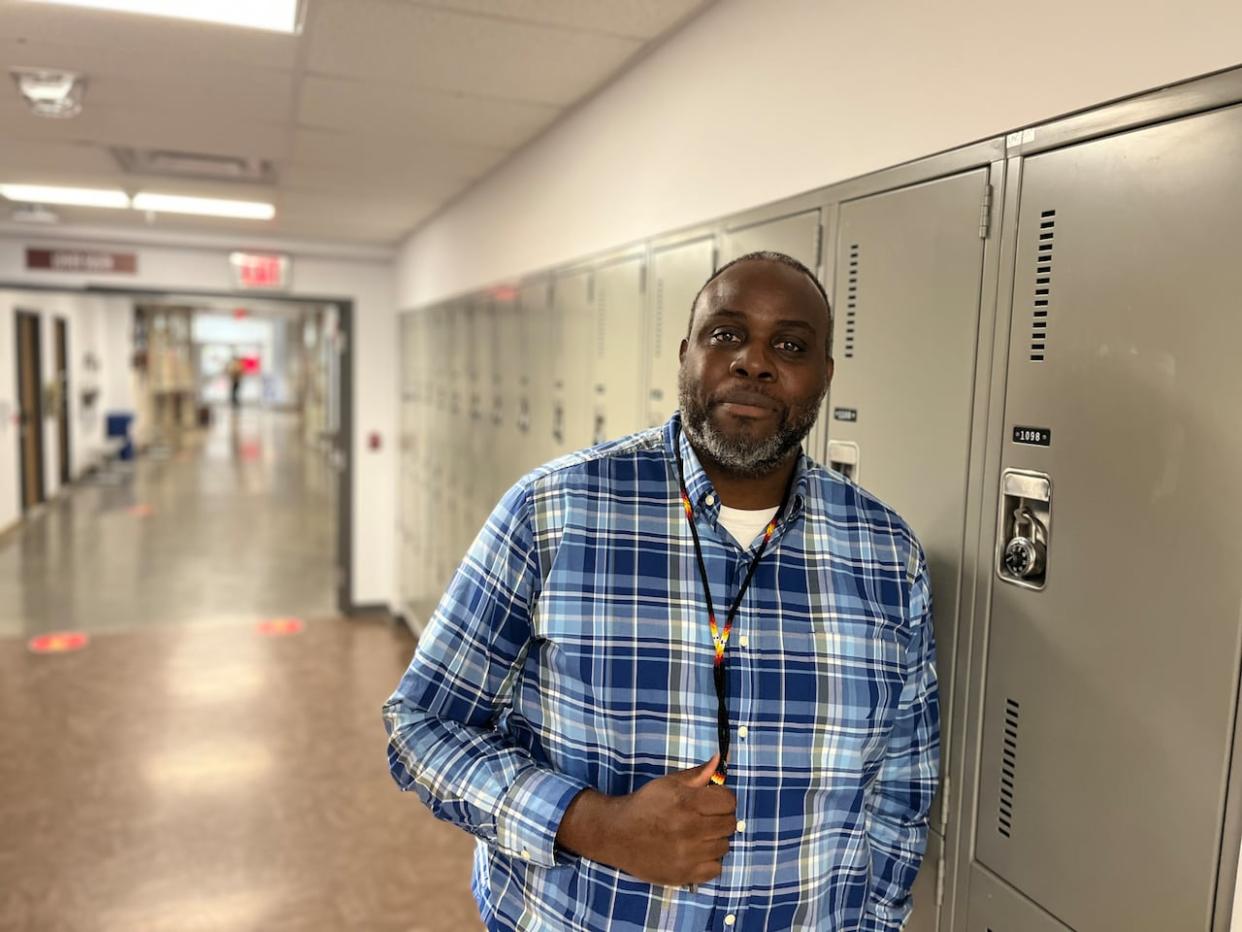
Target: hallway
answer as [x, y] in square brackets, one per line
[184, 771]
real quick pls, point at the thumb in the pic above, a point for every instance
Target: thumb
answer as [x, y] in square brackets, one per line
[702, 774]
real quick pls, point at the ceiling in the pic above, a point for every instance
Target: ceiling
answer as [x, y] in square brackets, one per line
[378, 114]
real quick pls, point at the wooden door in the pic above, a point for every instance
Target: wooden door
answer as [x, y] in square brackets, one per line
[30, 404]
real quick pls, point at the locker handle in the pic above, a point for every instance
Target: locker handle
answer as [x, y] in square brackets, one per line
[843, 457]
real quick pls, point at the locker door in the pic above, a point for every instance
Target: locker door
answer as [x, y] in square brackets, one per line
[796, 235]
[909, 266]
[510, 359]
[1111, 677]
[574, 406]
[618, 349]
[535, 418]
[677, 274]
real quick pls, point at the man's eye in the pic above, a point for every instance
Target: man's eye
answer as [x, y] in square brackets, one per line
[791, 346]
[724, 336]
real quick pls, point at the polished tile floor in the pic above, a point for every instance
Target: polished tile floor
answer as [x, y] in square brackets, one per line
[184, 771]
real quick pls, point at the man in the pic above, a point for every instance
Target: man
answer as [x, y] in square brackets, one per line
[685, 680]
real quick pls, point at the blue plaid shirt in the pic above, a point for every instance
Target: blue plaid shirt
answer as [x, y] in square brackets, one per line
[572, 650]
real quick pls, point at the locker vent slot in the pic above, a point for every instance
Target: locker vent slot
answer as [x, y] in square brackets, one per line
[1043, 286]
[659, 319]
[851, 302]
[1009, 768]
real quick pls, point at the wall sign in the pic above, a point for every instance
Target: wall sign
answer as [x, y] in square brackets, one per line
[81, 260]
[253, 271]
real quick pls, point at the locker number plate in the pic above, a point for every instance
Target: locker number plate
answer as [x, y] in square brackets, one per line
[1033, 436]
[845, 414]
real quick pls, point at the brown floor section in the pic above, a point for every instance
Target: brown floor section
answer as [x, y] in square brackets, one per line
[208, 778]
[183, 772]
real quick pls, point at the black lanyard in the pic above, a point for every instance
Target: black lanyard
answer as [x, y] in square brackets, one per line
[720, 639]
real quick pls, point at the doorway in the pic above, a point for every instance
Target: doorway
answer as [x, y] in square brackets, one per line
[62, 397]
[30, 408]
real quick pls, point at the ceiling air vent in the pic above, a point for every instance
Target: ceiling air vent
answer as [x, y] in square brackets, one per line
[1043, 286]
[174, 164]
[851, 302]
[1009, 768]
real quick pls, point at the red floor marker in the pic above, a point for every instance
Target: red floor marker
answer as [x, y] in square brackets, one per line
[58, 642]
[277, 627]
[141, 511]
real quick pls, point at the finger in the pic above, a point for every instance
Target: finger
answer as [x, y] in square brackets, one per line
[708, 870]
[715, 800]
[717, 826]
[700, 775]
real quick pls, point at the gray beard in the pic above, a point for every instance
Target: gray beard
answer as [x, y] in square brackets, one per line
[739, 456]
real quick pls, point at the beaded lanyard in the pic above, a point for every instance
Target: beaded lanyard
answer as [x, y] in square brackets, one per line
[720, 639]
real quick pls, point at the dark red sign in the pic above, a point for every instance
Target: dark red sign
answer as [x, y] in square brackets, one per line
[82, 260]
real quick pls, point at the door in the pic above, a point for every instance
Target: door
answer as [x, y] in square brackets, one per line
[62, 398]
[30, 407]
[908, 287]
[1112, 664]
[575, 404]
[677, 273]
[618, 349]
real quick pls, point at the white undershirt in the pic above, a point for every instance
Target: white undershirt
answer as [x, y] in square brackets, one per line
[745, 526]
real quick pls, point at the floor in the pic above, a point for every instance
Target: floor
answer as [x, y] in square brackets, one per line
[185, 772]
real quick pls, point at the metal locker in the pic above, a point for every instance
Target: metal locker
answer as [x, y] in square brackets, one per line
[796, 235]
[677, 274]
[907, 297]
[535, 406]
[573, 408]
[1112, 665]
[508, 389]
[995, 907]
[618, 349]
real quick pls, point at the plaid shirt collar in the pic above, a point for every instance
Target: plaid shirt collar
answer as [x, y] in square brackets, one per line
[703, 494]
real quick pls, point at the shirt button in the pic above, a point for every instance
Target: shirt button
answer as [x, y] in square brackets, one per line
[711, 499]
[742, 731]
[741, 825]
[526, 854]
[744, 641]
[730, 919]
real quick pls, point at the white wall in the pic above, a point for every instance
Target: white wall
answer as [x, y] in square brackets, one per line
[202, 264]
[86, 316]
[761, 99]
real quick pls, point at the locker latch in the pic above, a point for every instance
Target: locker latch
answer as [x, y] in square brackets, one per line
[1025, 525]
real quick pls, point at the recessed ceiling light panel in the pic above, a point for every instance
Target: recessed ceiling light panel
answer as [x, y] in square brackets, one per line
[203, 206]
[76, 197]
[271, 15]
[49, 92]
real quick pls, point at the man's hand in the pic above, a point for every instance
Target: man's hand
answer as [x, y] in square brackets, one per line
[674, 831]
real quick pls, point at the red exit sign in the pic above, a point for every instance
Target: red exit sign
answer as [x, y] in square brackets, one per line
[262, 271]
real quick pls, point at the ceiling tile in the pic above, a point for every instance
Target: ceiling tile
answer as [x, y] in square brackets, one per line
[364, 154]
[29, 160]
[469, 54]
[413, 183]
[380, 109]
[639, 19]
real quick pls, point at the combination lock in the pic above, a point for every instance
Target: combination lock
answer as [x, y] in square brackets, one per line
[1024, 554]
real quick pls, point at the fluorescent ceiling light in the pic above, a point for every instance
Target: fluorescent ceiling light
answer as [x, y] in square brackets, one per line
[272, 15]
[205, 206]
[77, 197]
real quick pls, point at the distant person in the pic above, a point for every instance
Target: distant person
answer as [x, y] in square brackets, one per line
[236, 369]
[685, 680]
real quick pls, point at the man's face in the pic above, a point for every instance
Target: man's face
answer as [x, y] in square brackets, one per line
[754, 368]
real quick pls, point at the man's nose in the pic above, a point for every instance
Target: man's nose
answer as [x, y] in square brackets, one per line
[751, 362]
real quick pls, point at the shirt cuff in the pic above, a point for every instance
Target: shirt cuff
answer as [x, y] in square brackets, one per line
[530, 815]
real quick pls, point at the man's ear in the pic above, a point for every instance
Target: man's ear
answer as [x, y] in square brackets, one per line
[681, 353]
